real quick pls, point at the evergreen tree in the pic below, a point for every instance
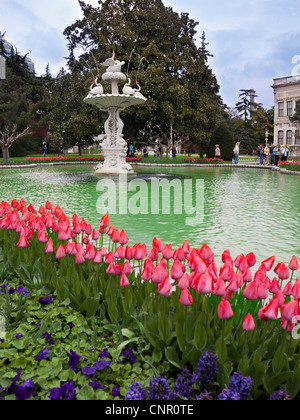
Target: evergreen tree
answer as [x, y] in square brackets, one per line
[23, 104]
[224, 138]
[182, 91]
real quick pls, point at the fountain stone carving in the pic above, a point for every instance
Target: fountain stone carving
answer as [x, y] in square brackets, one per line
[114, 147]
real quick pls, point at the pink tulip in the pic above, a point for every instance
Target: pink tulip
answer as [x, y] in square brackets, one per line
[123, 238]
[79, 259]
[165, 287]
[88, 229]
[205, 283]
[224, 309]
[179, 254]
[49, 247]
[251, 291]
[158, 244]
[23, 242]
[233, 285]
[95, 235]
[119, 252]
[153, 254]
[146, 273]
[226, 256]
[294, 265]
[177, 270]
[184, 281]
[98, 257]
[42, 236]
[213, 271]
[280, 296]
[90, 252]
[159, 273]
[271, 310]
[220, 287]
[248, 323]
[186, 247]
[260, 275]
[288, 289]
[115, 236]
[206, 254]
[129, 253]
[296, 289]
[198, 264]
[124, 282]
[186, 297]
[268, 263]
[274, 286]
[105, 221]
[111, 268]
[127, 269]
[290, 310]
[60, 253]
[251, 259]
[167, 252]
[109, 258]
[283, 272]
[227, 272]
[247, 276]
[286, 325]
[263, 291]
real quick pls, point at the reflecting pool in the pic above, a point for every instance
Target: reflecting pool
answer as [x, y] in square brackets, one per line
[244, 210]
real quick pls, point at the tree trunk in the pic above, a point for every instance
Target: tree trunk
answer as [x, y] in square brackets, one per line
[5, 153]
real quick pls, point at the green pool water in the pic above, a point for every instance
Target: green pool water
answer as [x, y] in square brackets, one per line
[245, 210]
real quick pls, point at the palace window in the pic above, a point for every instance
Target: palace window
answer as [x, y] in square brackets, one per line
[290, 110]
[280, 137]
[281, 109]
[297, 141]
[289, 137]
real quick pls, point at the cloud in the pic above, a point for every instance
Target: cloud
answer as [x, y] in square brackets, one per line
[37, 28]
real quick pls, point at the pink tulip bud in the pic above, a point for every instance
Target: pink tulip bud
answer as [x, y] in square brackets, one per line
[186, 297]
[224, 309]
[248, 323]
[294, 265]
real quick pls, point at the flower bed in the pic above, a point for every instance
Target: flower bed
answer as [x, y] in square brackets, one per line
[200, 329]
[204, 161]
[290, 166]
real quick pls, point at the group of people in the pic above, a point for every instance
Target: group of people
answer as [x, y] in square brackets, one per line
[271, 154]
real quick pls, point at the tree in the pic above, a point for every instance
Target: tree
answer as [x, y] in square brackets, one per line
[23, 104]
[246, 106]
[182, 92]
[7, 138]
[224, 138]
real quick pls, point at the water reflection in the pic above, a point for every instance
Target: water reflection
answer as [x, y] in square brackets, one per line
[244, 210]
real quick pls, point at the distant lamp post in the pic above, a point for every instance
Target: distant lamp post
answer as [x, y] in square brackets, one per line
[267, 137]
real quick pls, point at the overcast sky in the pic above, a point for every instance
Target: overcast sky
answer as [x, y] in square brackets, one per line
[253, 41]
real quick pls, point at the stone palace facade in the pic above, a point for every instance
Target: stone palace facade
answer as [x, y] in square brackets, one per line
[286, 93]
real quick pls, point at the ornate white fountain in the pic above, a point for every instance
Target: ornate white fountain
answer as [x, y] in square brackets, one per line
[114, 147]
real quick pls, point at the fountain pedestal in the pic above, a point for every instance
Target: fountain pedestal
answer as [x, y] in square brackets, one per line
[114, 147]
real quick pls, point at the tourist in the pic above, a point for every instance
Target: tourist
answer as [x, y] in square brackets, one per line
[267, 155]
[236, 152]
[155, 150]
[272, 154]
[261, 154]
[131, 150]
[285, 153]
[276, 154]
[174, 151]
[44, 149]
[145, 151]
[217, 152]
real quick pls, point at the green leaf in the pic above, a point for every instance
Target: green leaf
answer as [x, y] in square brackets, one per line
[200, 336]
[172, 357]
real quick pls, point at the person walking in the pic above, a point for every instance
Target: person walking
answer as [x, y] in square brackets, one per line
[267, 155]
[276, 153]
[217, 152]
[285, 154]
[44, 149]
[261, 154]
[145, 151]
[236, 152]
[272, 154]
